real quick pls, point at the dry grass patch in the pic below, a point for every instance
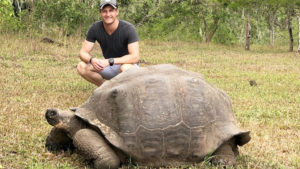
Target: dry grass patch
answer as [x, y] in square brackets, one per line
[35, 76]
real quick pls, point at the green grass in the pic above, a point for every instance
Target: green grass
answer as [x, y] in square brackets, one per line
[35, 76]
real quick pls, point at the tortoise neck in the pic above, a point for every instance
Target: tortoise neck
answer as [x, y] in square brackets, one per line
[75, 125]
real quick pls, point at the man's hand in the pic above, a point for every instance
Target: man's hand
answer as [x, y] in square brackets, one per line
[99, 64]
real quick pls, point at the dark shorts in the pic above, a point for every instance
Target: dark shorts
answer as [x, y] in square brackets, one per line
[111, 71]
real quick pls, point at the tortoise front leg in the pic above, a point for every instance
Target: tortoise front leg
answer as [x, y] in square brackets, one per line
[226, 153]
[58, 140]
[93, 147]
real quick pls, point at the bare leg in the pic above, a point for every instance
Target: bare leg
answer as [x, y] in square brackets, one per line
[93, 147]
[86, 71]
[226, 153]
[125, 67]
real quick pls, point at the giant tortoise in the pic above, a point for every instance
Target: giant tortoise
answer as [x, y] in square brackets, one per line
[155, 116]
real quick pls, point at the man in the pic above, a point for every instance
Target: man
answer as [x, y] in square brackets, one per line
[118, 40]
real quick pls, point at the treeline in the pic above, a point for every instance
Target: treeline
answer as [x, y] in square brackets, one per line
[221, 21]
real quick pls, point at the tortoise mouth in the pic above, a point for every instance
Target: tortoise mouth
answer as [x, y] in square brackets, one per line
[52, 116]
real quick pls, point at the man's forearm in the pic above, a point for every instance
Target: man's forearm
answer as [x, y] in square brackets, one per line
[127, 59]
[85, 57]
[84, 53]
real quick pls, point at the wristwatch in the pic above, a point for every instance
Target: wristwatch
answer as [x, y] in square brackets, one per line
[111, 61]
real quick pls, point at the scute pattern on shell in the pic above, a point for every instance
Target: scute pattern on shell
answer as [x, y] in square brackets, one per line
[162, 114]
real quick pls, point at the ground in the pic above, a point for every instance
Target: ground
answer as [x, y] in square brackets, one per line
[35, 76]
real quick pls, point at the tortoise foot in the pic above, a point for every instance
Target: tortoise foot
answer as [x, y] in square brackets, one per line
[226, 154]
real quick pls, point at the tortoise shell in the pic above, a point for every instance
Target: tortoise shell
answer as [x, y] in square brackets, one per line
[161, 114]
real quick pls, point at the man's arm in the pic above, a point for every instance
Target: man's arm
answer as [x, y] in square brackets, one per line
[132, 57]
[85, 56]
[85, 50]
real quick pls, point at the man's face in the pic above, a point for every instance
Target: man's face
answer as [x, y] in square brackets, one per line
[109, 14]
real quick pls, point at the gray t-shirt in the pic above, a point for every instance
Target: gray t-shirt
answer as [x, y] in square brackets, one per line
[116, 44]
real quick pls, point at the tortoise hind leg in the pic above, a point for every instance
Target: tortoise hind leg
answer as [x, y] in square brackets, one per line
[226, 153]
[93, 147]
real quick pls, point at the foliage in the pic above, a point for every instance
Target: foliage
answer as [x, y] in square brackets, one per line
[197, 20]
[68, 15]
[8, 22]
[219, 21]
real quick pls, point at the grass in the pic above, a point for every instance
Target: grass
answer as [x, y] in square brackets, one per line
[35, 76]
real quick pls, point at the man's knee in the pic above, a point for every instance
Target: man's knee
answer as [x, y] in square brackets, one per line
[81, 68]
[125, 67]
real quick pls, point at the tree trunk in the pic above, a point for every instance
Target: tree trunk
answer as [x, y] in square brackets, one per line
[17, 7]
[271, 17]
[205, 28]
[290, 32]
[208, 35]
[248, 33]
[211, 34]
[272, 35]
[43, 24]
[298, 16]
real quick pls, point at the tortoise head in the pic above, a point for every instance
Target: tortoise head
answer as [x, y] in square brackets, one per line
[58, 118]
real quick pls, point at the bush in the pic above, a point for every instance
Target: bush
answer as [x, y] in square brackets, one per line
[8, 21]
[65, 14]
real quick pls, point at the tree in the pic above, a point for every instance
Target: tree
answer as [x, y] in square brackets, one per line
[211, 14]
[68, 15]
[288, 6]
[221, 21]
[8, 21]
[297, 11]
[298, 17]
[289, 13]
[247, 6]
[270, 8]
[248, 33]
